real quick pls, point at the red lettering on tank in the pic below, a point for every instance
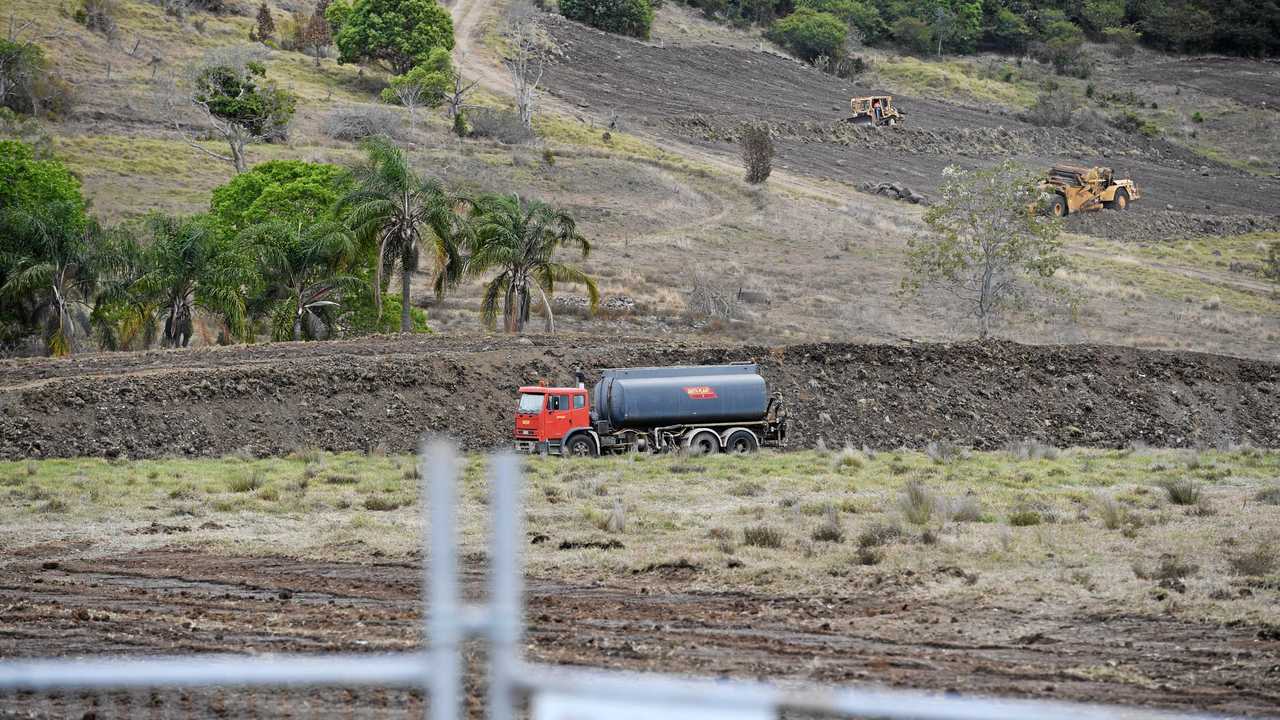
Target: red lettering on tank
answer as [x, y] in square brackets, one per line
[701, 392]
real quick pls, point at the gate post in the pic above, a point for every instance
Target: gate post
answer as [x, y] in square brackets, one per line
[438, 470]
[506, 606]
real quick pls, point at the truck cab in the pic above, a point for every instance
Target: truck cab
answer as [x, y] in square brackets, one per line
[547, 415]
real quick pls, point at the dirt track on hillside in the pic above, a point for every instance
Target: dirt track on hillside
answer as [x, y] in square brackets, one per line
[361, 394]
[701, 93]
[52, 603]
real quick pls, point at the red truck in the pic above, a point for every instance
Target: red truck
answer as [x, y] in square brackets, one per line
[700, 409]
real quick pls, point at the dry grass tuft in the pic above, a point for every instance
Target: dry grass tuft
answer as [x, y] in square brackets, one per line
[943, 452]
[966, 509]
[847, 458]
[246, 483]
[878, 534]
[1031, 450]
[918, 503]
[747, 488]
[1169, 568]
[830, 530]
[1263, 559]
[762, 536]
[1183, 491]
[1270, 495]
[382, 503]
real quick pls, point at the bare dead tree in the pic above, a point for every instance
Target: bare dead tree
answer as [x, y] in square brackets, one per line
[411, 96]
[529, 49]
[453, 99]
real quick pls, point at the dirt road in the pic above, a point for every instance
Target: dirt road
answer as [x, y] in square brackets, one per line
[164, 602]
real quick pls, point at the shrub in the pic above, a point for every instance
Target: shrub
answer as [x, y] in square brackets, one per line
[847, 458]
[756, 142]
[830, 529]
[624, 17]
[246, 483]
[942, 452]
[357, 122]
[1270, 495]
[860, 15]
[912, 33]
[1263, 559]
[747, 488]
[809, 34]
[1170, 568]
[762, 536]
[879, 534]
[966, 509]
[1025, 517]
[501, 125]
[917, 503]
[269, 494]
[1184, 491]
[1121, 41]
[99, 16]
[1051, 109]
[1114, 515]
[616, 522]
[868, 555]
[381, 503]
[1031, 450]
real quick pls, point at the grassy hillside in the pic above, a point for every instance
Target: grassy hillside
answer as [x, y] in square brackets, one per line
[815, 258]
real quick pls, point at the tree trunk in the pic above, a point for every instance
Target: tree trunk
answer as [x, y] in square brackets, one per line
[406, 324]
[237, 154]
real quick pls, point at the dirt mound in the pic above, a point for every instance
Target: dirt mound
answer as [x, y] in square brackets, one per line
[385, 392]
[1142, 224]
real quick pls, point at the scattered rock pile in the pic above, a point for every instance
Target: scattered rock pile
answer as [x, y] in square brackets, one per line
[895, 191]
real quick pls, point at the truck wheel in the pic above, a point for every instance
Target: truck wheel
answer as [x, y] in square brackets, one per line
[581, 446]
[1058, 206]
[704, 443]
[742, 442]
[1122, 200]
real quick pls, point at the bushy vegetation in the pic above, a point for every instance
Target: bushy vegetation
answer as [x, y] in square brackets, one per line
[288, 250]
[810, 34]
[1052, 31]
[624, 17]
[395, 34]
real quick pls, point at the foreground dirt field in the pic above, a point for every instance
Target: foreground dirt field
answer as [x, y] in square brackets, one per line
[191, 602]
[360, 394]
[1076, 574]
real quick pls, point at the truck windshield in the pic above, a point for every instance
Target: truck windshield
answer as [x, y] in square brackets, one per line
[531, 402]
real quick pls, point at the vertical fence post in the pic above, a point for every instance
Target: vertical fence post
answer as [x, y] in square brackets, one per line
[506, 606]
[438, 469]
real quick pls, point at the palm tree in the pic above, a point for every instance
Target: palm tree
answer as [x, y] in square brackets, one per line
[402, 213]
[51, 271]
[186, 265]
[304, 275]
[521, 238]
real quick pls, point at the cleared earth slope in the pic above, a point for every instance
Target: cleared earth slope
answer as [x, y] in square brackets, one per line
[355, 395]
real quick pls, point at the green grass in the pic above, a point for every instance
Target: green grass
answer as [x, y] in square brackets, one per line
[955, 79]
[1177, 286]
[991, 513]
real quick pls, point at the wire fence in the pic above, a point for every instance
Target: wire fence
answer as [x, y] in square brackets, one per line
[431, 684]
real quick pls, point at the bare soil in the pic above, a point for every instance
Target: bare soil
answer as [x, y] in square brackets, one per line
[53, 603]
[703, 92]
[387, 391]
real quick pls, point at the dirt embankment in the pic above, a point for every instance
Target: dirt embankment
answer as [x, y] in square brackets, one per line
[360, 394]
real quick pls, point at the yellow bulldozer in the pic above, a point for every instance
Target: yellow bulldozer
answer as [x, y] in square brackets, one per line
[877, 110]
[1076, 189]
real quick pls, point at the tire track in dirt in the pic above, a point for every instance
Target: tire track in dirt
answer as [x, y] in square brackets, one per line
[168, 601]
